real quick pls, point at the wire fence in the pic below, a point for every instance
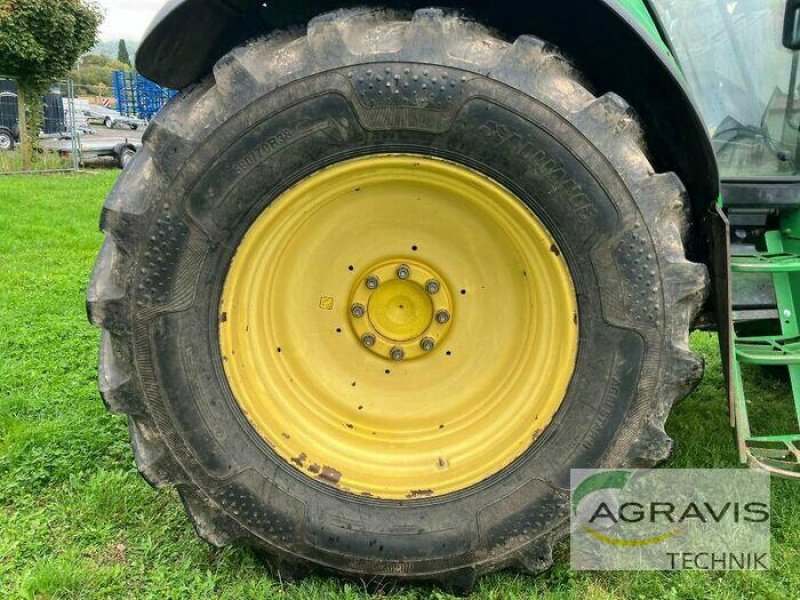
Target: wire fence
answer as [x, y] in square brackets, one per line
[80, 130]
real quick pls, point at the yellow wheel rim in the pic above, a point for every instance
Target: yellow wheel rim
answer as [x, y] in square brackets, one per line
[399, 327]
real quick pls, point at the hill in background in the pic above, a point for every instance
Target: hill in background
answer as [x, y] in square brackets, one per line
[109, 49]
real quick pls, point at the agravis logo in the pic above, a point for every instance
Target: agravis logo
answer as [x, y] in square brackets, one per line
[644, 518]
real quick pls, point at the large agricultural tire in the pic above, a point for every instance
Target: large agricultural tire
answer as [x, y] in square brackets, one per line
[291, 117]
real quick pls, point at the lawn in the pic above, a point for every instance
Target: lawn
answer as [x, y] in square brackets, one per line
[77, 521]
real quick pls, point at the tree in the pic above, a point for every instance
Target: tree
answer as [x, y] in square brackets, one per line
[93, 76]
[40, 41]
[122, 53]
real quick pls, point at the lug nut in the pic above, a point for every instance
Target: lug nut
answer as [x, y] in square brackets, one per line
[372, 283]
[433, 287]
[428, 344]
[368, 340]
[403, 272]
[442, 317]
[397, 354]
[357, 311]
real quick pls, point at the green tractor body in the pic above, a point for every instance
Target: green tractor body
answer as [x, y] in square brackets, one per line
[285, 304]
[740, 64]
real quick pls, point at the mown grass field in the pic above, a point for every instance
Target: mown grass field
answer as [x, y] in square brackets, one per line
[77, 521]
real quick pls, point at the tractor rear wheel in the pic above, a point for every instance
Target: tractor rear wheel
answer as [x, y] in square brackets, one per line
[369, 293]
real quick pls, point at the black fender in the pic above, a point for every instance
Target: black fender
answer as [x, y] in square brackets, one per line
[600, 37]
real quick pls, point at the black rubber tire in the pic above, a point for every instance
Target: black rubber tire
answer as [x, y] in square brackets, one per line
[108, 122]
[126, 155]
[6, 141]
[361, 82]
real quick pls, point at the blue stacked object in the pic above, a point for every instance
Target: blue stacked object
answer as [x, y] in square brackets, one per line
[139, 97]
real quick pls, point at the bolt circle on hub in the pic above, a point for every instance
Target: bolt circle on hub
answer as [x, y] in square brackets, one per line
[403, 302]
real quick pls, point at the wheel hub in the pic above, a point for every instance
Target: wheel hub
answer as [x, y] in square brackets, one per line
[401, 310]
[398, 326]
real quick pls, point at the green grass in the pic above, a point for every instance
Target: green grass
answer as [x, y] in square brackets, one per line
[11, 162]
[76, 520]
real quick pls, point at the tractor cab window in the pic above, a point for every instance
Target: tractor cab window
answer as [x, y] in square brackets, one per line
[743, 79]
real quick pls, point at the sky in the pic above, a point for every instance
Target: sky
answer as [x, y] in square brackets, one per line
[128, 19]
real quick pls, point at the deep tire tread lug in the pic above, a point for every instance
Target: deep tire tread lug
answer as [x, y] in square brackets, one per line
[233, 76]
[536, 559]
[326, 40]
[524, 65]
[153, 460]
[669, 199]
[652, 447]
[284, 568]
[118, 387]
[208, 519]
[106, 298]
[175, 148]
[611, 125]
[460, 583]
[425, 35]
